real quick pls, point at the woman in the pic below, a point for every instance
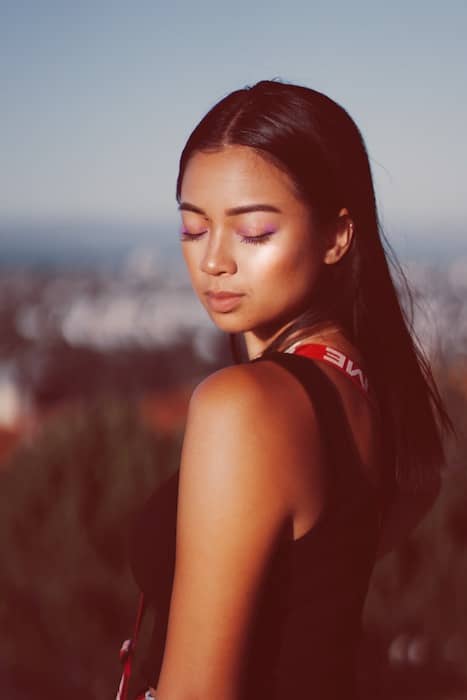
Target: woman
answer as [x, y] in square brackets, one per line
[315, 453]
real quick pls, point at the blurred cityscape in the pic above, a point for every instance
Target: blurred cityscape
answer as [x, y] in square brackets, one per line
[97, 365]
[69, 334]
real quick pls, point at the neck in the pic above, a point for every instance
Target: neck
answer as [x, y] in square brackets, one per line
[328, 333]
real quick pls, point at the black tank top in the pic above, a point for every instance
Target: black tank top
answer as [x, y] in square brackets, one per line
[305, 633]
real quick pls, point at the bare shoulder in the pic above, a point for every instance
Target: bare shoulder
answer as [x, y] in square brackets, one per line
[260, 422]
[234, 379]
[261, 390]
[243, 405]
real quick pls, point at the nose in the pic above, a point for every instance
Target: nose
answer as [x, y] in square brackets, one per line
[217, 258]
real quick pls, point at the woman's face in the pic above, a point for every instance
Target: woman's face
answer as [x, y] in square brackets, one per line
[244, 231]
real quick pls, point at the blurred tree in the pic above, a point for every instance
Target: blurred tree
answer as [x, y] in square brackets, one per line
[67, 595]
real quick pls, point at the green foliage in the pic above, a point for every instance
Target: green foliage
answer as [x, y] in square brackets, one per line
[66, 504]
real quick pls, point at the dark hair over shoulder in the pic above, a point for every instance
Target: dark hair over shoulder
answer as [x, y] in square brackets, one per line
[316, 142]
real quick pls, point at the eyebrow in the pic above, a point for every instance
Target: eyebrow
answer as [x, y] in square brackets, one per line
[234, 211]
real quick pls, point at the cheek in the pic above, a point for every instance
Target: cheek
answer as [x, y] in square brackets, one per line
[274, 266]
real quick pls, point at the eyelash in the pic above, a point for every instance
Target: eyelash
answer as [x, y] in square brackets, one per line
[255, 240]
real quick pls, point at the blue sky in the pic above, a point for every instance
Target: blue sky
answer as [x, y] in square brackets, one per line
[98, 98]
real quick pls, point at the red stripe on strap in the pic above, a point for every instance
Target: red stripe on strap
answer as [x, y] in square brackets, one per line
[127, 650]
[333, 357]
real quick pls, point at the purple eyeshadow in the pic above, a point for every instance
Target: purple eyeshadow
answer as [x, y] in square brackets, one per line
[260, 232]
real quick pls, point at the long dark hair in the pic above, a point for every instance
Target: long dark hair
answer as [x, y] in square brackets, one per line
[315, 141]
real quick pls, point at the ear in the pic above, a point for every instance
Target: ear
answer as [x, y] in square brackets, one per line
[340, 237]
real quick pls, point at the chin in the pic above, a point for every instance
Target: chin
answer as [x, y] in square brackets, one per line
[228, 324]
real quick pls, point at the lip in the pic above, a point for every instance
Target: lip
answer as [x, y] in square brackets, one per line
[223, 295]
[223, 301]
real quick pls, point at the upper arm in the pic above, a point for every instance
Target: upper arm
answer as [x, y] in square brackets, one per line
[231, 508]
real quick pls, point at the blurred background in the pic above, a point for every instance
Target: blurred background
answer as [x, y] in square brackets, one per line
[102, 339]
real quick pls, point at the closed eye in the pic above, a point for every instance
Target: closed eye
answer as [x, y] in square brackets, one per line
[187, 236]
[261, 238]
